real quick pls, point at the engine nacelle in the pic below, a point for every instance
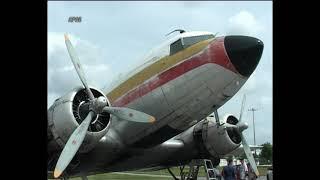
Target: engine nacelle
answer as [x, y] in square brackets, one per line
[67, 112]
[215, 140]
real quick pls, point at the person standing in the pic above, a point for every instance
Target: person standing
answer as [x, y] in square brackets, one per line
[237, 172]
[229, 171]
[243, 169]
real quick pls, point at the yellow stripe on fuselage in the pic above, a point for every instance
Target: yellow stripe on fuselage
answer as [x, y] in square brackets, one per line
[156, 68]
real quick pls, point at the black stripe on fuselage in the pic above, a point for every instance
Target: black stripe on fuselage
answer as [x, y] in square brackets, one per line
[157, 137]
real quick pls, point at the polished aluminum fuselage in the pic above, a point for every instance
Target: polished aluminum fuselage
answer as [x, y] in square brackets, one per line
[176, 104]
[178, 90]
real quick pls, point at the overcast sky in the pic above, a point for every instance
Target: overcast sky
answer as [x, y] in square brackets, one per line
[114, 36]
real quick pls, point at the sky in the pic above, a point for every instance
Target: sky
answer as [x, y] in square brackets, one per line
[113, 37]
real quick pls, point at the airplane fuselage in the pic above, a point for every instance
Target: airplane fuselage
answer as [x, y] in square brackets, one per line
[178, 88]
[194, 83]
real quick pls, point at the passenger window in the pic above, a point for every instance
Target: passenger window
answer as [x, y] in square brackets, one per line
[176, 47]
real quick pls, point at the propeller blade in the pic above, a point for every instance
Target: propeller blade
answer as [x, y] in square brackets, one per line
[249, 155]
[77, 65]
[130, 114]
[242, 106]
[72, 146]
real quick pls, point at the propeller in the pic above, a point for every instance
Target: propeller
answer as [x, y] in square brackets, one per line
[129, 114]
[241, 127]
[72, 145]
[96, 106]
[249, 155]
[76, 63]
[242, 106]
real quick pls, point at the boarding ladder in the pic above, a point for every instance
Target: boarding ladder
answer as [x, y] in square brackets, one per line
[209, 169]
[195, 164]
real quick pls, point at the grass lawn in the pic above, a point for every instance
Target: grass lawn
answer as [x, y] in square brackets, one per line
[165, 172]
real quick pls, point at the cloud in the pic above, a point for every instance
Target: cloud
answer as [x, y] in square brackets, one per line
[244, 23]
[62, 76]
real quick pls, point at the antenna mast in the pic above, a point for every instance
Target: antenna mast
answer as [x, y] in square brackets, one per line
[180, 30]
[254, 132]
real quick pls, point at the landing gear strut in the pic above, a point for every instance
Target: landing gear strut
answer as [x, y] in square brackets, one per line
[174, 177]
[216, 116]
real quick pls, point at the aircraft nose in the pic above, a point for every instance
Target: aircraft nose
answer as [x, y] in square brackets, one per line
[244, 53]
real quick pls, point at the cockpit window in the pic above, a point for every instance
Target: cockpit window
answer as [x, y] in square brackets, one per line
[186, 42]
[176, 47]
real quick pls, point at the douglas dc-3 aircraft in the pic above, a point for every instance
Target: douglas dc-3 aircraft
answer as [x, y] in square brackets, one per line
[156, 116]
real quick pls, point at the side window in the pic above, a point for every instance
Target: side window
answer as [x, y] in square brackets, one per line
[176, 47]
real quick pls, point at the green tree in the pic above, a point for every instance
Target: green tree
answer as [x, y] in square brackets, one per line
[266, 153]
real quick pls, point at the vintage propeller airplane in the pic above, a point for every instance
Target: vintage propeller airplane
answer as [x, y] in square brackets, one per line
[156, 116]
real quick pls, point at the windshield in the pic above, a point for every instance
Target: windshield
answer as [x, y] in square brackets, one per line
[185, 42]
[188, 41]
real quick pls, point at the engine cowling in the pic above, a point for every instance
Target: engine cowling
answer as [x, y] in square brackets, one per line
[67, 112]
[216, 141]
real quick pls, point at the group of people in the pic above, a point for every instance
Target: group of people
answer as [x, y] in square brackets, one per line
[239, 172]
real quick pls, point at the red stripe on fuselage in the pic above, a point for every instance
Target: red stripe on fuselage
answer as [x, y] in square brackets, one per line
[214, 53]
